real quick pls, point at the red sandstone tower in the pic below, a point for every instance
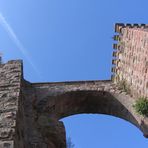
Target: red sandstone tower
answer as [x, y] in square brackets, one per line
[131, 58]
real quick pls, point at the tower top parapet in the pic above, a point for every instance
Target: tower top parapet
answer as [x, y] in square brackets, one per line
[130, 62]
[119, 26]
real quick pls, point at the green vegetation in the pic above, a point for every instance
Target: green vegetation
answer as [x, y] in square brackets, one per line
[141, 106]
[124, 86]
[121, 43]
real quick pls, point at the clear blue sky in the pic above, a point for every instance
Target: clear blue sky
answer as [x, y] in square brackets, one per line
[63, 40]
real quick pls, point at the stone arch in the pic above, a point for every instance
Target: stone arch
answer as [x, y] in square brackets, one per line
[79, 102]
[55, 101]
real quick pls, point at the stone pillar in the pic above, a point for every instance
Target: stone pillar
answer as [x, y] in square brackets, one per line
[52, 131]
[10, 83]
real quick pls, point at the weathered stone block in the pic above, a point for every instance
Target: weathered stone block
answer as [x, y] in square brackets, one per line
[7, 144]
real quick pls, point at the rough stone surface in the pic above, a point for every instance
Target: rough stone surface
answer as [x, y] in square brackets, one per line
[131, 59]
[30, 113]
[10, 86]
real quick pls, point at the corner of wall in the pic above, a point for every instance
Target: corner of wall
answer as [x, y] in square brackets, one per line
[129, 58]
[11, 75]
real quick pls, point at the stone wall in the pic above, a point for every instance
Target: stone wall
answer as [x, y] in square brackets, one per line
[18, 117]
[64, 99]
[38, 130]
[131, 59]
[10, 84]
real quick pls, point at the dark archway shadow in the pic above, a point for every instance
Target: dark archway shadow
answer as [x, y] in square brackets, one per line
[94, 102]
[81, 102]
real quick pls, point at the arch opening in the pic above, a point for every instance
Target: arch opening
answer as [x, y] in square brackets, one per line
[87, 102]
[56, 107]
[87, 129]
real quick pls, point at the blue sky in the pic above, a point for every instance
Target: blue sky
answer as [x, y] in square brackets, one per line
[63, 40]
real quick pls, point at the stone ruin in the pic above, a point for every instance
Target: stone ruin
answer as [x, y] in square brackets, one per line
[30, 112]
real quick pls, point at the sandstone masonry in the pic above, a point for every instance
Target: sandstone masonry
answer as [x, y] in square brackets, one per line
[131, 58]
[10, 86]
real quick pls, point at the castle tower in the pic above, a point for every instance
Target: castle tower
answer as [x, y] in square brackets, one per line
[130, 70]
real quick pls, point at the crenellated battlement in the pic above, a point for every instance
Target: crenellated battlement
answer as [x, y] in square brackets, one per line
[130, 62]
[120, 26]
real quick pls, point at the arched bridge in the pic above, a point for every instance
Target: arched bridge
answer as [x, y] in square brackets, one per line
[53, 101]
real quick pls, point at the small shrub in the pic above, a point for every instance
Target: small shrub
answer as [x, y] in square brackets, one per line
[124, 86]
[141, 106]
[122, 44]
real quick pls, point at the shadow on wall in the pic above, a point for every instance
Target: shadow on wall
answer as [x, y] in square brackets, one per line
[95, 102]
